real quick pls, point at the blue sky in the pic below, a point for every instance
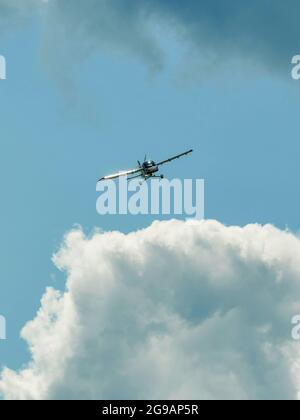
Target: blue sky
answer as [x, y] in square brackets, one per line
[56, 141]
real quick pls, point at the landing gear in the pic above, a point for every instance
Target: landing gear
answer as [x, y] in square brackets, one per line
[157, 176]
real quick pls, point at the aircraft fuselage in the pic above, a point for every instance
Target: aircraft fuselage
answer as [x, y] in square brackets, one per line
[149, 167]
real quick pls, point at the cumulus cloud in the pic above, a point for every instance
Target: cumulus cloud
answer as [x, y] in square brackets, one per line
[189, 309]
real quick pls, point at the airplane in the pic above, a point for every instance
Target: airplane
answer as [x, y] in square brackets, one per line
[146, 170]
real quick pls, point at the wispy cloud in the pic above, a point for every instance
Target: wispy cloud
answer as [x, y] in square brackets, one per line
[262, 31]
[265, 32]
[14, 12]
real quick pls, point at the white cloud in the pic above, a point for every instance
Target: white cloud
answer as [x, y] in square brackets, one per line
[178, 310]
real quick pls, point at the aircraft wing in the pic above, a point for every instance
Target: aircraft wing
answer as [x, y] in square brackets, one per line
[122, 173]
[174, 157]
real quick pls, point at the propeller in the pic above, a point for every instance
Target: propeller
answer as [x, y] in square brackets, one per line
[145, 158]
[139, 163]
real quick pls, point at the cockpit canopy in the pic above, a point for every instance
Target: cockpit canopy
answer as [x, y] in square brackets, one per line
[148, 164]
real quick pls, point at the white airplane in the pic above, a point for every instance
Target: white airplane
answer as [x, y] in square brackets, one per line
[145, 170]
